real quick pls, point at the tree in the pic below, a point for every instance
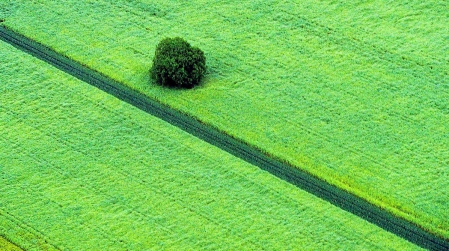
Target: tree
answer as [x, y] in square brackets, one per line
[176, 63]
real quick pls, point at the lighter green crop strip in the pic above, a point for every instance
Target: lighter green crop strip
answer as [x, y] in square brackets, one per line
[93, 173]
[7, 245]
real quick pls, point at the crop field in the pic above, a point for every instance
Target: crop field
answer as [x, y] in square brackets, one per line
[353, 93]
[81, 170]
[7, 246]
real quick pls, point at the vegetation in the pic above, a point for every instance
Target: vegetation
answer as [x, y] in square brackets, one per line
[81, 170]
[356, 93]
[177, 63]
[5, 245]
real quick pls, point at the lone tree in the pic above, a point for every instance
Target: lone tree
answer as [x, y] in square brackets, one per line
[176, 63]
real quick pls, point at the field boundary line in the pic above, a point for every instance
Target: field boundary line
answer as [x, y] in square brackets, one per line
[250, 154]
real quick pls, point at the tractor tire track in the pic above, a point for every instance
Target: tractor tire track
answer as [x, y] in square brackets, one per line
[250, 154]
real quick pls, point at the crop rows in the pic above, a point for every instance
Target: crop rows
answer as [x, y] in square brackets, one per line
[354, 111]
[302, 180]
[82, 170]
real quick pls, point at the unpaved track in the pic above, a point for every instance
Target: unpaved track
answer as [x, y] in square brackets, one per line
[303, 180]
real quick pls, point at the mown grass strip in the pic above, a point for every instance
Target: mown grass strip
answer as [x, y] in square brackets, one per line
[295, 176]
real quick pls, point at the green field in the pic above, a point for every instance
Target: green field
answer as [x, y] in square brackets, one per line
[81, 170]
[5, 245]
[353, 93]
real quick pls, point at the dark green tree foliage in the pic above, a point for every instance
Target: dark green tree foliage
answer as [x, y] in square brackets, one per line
[177, 63]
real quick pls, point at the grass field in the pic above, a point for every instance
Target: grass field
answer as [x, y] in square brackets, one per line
[353, 93]
[5, 245]
[81, 170]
